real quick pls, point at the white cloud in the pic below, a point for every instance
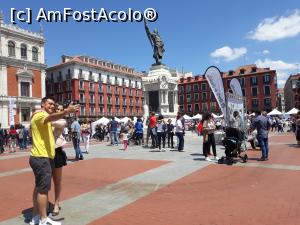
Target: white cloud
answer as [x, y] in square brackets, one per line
[282, 68]
[266, 52]
[275, 28]
[228, 54]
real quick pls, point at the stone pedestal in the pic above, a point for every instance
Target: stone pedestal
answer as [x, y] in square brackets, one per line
[161, 91]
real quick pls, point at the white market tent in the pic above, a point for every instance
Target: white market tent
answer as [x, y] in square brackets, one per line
[197, 117]
[216, 116]
[274, 112]
[292, 111]
[186, 117]
[103, 121]
[117, 119]
[124, 120]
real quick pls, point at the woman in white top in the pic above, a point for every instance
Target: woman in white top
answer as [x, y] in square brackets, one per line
[208, 135]
[60, 158]
[85, 131]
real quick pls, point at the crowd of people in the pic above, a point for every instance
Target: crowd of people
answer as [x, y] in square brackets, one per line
[13, 138]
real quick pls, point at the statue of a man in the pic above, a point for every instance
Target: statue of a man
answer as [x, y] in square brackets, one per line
[156, 43]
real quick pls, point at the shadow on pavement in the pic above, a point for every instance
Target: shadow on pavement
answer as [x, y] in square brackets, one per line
[27, 215]
[196, 154]
[293, 145]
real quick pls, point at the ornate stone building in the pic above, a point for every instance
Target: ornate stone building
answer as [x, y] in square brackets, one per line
[22, 74]
[160, 91]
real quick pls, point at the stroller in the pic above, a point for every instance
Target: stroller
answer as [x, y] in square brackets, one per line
[233, 146]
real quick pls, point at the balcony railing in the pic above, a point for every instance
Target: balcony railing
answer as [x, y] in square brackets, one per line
[108, 81]
[116, 82]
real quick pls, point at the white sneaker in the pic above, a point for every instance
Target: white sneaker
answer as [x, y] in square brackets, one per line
[208, 159]
[49, 221]
[35, 220]
[216, 158]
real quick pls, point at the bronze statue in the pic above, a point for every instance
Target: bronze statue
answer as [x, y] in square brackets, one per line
[156, 43]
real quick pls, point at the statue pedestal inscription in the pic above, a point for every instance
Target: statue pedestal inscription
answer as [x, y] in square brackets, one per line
[161, 92]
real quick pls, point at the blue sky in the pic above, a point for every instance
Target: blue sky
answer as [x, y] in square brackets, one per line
[196, 34]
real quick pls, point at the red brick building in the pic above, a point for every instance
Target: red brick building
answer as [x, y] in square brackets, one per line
[259, 86]
[102, 88]
[292, 92]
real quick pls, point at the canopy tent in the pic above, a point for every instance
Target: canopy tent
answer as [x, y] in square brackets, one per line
[124, 120]
[274, 112]
[216, 116]
[117, 119]
[186, 117]
[197, 117]
[292, 111]
[103, 121]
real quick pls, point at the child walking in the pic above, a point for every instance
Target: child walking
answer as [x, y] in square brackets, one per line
[125, 139]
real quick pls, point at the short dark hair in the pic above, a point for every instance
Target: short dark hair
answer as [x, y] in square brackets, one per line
[45, 99]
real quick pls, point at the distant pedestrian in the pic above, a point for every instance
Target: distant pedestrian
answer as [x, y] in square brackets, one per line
[152, 127]
[85, 132]
[208, 136]
[180, 131]
[113, 125]
[262, 124]
[170, 133]
[75, 129]
[12, 139]
[139, 131]
[2, 137]
[161, 133]
[297, 123]
[125, 139]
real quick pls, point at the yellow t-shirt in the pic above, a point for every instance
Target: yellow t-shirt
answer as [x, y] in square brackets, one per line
[43, 144]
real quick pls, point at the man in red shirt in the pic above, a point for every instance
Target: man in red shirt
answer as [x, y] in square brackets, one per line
[152, 126]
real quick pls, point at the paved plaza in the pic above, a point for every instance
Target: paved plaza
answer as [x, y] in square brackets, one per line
[140, 187]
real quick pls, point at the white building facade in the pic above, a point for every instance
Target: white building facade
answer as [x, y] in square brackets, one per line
[22, 74]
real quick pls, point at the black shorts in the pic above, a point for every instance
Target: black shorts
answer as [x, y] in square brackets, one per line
[42, 168]
[60, 158]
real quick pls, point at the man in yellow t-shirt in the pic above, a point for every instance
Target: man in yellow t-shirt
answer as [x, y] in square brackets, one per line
[42, 155]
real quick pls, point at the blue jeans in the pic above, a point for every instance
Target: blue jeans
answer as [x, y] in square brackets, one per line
[76, 144]
[25, 142]
[181, 140]
[264, 146]
[21, 143]
[114, 139]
